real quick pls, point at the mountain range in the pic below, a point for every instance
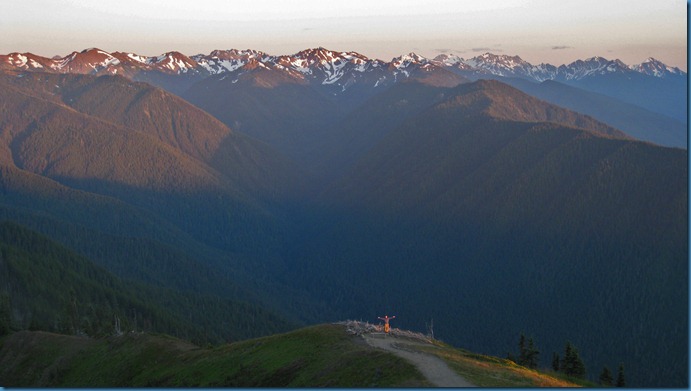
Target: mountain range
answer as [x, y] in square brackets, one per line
[484, 194]
[651, 91]
[325, 66]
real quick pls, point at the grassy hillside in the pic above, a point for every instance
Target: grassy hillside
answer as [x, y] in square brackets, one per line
[488, 371]
[317, 356]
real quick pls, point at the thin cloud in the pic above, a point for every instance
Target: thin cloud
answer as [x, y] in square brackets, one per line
[561, 47]
[443, 50]
[486, 49]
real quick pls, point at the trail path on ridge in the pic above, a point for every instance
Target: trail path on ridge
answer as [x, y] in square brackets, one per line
[433, 368]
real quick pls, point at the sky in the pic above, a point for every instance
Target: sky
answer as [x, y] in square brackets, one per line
[550, 31]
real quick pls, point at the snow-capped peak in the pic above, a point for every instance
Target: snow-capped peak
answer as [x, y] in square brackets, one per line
[220, 61]
[317, 54]
[131, 57]
[509, 66]
[323, 66]
[174, 61]
[320, 64]
[653, 67]
[90, 60]
[25, 61]
[501, 61]
[591, 66]
[448, 60]
[406, 60]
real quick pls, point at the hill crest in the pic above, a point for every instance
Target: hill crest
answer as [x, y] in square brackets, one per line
[322, 355]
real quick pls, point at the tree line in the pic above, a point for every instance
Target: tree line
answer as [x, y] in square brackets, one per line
[570, 364]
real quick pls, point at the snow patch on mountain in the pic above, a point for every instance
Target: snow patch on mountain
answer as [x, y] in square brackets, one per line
[138, 58]
[173, 61]
[21, 61]
[220, 61]
[404, 61]
[326, 67]
[653, 67]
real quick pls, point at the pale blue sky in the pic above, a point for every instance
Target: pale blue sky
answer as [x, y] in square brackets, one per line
[554, 31]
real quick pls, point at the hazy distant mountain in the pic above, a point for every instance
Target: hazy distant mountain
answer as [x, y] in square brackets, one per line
[275, 107]
[49, 139]
[361, 129]
[636, 121]
[196, 146]
[514, 66]
[664, 95]
[293, 103]
[651, 84]
[482, 108]
[653, 67]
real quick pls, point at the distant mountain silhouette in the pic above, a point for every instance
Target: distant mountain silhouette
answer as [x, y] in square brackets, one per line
[634, 120]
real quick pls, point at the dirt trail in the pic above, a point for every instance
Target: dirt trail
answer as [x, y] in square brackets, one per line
[433, 368]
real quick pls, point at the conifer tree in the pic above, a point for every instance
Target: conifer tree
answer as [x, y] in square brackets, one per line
[621, 382]
[522, 351]
[571, 364]
[528, 355]
[579, 367]
[606, 379]
[567, 362]
[532, 355]
[555, 361]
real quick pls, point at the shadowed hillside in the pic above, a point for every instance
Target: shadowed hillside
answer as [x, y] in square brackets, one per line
[145, 202]
[48, 287]
[488, 214]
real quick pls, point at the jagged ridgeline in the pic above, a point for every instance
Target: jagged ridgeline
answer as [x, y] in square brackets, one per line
[651, 92]
[253, 193]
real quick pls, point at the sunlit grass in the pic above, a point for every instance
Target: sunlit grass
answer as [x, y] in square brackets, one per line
[488, 371]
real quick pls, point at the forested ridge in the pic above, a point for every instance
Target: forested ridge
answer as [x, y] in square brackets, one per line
[48, 287]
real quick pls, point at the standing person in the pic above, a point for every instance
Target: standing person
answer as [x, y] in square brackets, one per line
[386, 320]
